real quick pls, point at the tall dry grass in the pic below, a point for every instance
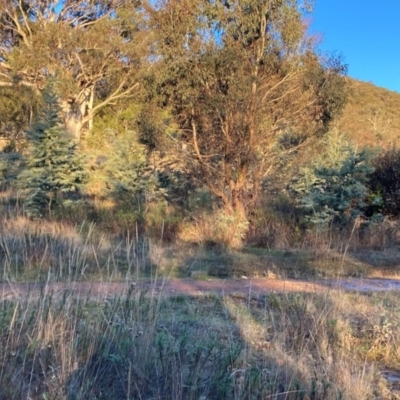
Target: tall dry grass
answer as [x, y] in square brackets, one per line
[218, 228]
[146, 346]
[42, 250]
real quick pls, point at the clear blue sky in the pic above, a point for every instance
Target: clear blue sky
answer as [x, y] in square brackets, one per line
[367, 33]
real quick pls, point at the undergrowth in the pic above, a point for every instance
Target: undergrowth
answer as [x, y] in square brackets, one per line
[141, 346]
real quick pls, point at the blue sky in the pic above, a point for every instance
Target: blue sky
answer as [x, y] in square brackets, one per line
[367, 33]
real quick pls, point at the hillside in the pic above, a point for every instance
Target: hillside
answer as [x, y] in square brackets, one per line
[372, 115]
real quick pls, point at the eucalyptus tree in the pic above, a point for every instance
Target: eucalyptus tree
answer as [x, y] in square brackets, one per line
[95, 48]
[235, 75]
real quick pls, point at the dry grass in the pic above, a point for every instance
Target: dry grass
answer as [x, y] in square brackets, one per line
[294, 346]
[145, 346]
[216, 229]
[61, 251]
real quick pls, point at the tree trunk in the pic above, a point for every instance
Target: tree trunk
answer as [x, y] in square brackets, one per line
[237, 205]
[89, 110]
[74, 126]
[78, 115]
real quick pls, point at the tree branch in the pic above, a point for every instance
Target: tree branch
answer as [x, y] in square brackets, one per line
[114, 96]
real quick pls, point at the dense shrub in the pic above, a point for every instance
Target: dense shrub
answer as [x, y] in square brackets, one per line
[384, 184]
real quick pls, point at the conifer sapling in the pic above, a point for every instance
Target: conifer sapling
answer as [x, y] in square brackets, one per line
[53, 168]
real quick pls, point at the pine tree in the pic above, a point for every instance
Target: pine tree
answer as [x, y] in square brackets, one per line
[52, 166]
[130, 176]
[335, 186]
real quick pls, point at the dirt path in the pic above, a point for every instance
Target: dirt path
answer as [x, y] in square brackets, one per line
[250, 287]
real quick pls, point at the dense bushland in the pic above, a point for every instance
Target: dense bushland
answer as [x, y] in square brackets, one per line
[214, 129]
[191, 139]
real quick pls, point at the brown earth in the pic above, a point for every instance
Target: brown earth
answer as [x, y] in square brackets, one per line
[250, 287]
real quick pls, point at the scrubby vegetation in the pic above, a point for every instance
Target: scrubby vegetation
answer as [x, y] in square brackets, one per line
[371, 115]
[144, 141]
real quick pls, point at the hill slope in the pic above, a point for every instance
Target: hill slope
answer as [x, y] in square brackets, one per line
[372, 115]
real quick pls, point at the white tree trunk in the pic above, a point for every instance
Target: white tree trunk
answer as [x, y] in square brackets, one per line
[73, 119]
[79, 114]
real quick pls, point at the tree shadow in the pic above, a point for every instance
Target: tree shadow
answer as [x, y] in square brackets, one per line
[211, 347]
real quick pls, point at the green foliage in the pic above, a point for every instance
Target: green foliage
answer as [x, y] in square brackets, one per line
[52, 166]
[335, 186]
[131, 178]
[9, 166]
[384, 183]
[152, 126]
[134, 184]
[97, 48]
[17, 105]
[113, 121]
[236, 86]
[331, 89]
